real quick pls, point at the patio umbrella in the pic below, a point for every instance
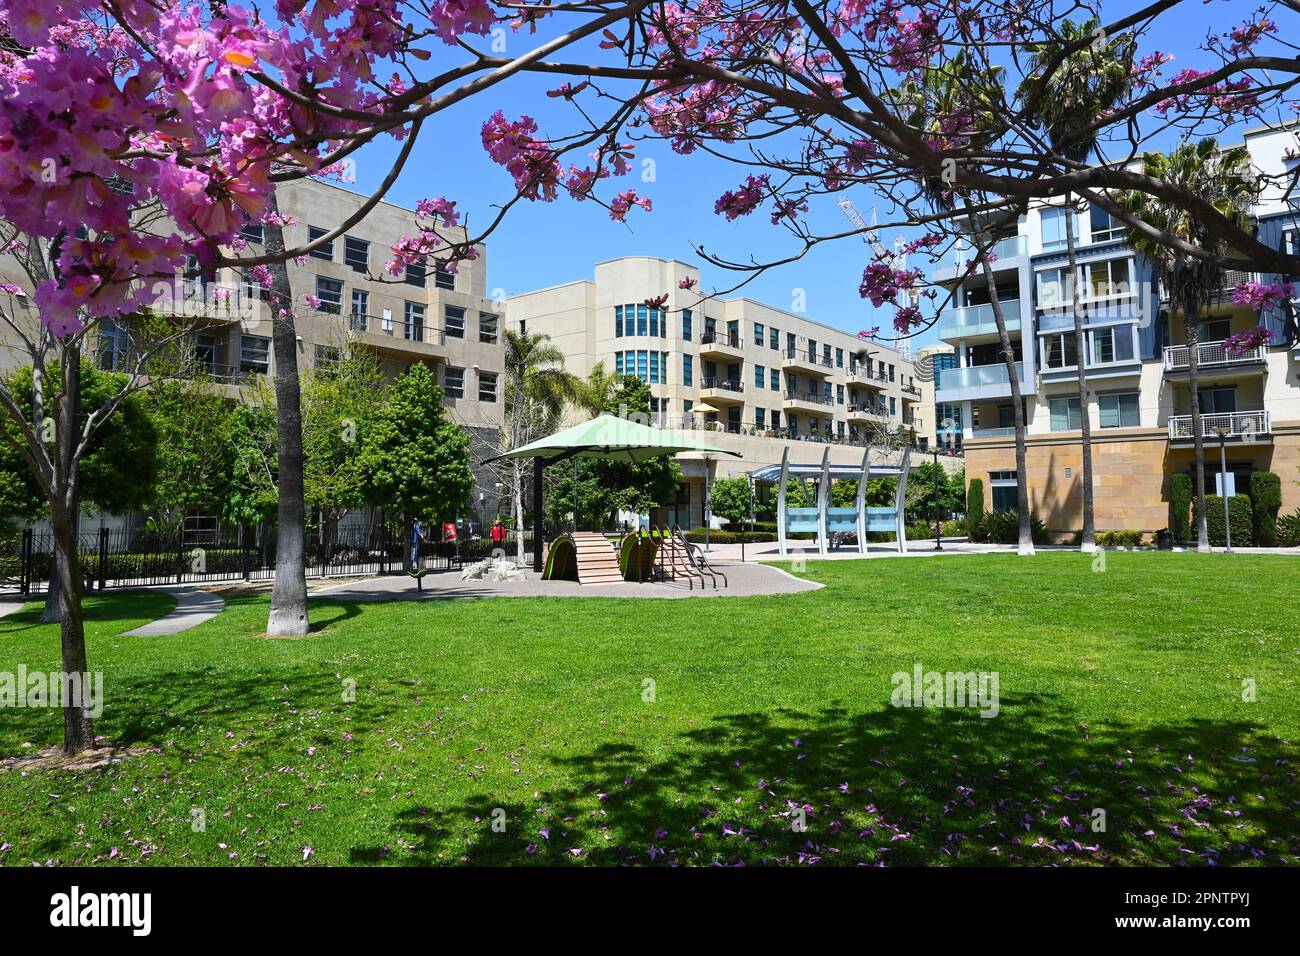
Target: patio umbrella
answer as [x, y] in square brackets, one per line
[704, 408]
[606, 437]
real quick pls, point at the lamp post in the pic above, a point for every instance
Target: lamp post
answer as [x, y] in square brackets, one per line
[1223, 488]
[938, 543]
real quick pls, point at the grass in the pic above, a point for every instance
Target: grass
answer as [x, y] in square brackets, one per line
[1119, 691]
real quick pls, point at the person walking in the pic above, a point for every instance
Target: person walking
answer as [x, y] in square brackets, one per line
[417, 538]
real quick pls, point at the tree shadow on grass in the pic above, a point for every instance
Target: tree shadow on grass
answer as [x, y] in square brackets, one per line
[895, 786]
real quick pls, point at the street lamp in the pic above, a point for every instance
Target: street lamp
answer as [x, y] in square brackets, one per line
[708, 500]
[1223, 488]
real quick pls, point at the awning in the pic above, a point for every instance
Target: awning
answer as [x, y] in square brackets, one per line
[612, 438]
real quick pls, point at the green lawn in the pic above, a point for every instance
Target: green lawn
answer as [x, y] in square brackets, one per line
[1120, 691]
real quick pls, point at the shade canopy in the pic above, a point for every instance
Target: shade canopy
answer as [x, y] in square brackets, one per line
[704, 408]
[615, 439]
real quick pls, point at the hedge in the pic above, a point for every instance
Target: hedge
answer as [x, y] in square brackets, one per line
[1180, 508]
[975, 506]
[1003, 527]
[1127, 538]
[1241, 515]
[1266, 500]
[1288, 530]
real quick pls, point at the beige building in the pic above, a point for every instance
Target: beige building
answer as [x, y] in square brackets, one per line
[759, 379]
[343, 294]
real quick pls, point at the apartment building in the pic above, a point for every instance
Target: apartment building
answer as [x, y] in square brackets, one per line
[1135, 357]
[939, 419]
[758, 378]
[428, 315]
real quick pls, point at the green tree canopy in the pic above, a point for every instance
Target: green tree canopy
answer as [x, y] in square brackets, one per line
[729, 499]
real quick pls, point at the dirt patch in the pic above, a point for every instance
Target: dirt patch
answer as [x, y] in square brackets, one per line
[53, 758]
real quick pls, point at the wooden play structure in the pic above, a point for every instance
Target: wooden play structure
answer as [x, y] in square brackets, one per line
[583, 556]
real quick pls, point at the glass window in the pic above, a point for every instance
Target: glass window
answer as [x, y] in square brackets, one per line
[654, 368]
[642, 366]
[487, 386]
[254, 354]
[774, 380]
[356, 253]
[1065, 414]
[686, 325]
[1218, 401]
[360, 309]
[839, 394]
[1053, 225]
[663, 369]
[113, 345]
[1102, 225]
[688, 373]
[839, 358]
[774, 339]
[1059, 351]
[642, 320]
[1054, 288]
[443, 278]
[760, 418]
[1103, 346]
[1214, 330]
[252, 232]
[760, 376]
[453, 381]
[758, 333]
[415, 274]
[330, 293]
[324, 252]
[654, 323]
[454, 321]
[487, 328]
[413, 318]
[1118, 410]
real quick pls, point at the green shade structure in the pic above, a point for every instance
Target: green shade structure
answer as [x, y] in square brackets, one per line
[607, 437]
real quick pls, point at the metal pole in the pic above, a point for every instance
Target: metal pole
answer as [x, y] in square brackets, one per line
[708, 504]
[1223, 468]
[537, 515]
[938, 543]
[575, 494]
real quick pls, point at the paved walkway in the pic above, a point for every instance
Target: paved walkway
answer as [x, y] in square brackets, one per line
[743, 580]
[193, 607]
[10, 607]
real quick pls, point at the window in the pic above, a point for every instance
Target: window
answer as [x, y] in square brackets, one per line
[618, 321]
[1065, 414]
[826, 355]
[1004, 488]
[1214, 330]
[330, 293]
[839, 394]
[891, 371]
[893, 407]
[1054, 288]
[113, 345]
[487, 386]
[1118, 410]
[1059, 351]
[688, 373]
[1108, 279]
[760, 376]
[1291, 246]
[1053, 224]
[415, 274]
[360, 309]
[413, 321]
[487, 328]
[327, 359]
[774, 339]
[642, 320]
[758, 333]
[654, 323]
[443, 277]
[686, 325]
[1103, 346]
[356, 253]
[1218, 401]
[454, 321]
[253, 232]
[654, 368]
[205, 351]
[760, 417]
[1102, 225]
[453, 381]
[774, 380]
[249, 287]
[663, 368]
[839, 358]
[642, 366]
[326, 251]
[254, 354]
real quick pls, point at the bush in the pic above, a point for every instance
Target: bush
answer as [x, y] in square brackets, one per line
[767, 527]
[1240, 514]
[1266, 501]
[1288, 530]
[1003, 527]
[1128, 538]
[696, 535]
[975, 506]
[1180, 508]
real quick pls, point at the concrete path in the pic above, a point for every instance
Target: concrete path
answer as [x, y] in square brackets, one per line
[193, 607]
[743, 580]
[11, 607]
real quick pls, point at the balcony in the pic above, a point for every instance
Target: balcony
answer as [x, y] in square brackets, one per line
[1238, 427]
[977, 322]
[865, 375]
[806, 401]
[1213, 355]
[806, 361]
[1005, 252]
[978, 381]
[395, 334]
[722, 391]
[1001, 432]
[911, 393]
[724, 345]
[867, 415]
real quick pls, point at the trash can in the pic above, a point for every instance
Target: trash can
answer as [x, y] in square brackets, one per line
[1164, 540]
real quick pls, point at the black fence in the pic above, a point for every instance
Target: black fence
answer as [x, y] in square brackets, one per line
[118, 558]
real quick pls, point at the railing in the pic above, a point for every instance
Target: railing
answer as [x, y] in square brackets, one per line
[713, 336]
[397, 328]
[978, 320]
[1007, 248]
[868, 410]
[1178, 357]
[980, 375]
[811, 398]
[865, 373]
[808, 357]
[1242, 425]
[725, 384]
[911, 390]
[1004, 432]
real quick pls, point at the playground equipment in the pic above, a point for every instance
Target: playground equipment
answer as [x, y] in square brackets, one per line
[582, 556]
[679, 559]
[824, 520]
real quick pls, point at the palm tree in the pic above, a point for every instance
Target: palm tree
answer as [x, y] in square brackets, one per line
[1066, 100]
[1223, 178]
[538, 390]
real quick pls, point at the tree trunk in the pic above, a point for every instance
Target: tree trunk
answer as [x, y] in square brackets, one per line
[50, 614]
[1026, 544]
[1192, 334]
[1088, 543]
[517, 465]
[289, 592]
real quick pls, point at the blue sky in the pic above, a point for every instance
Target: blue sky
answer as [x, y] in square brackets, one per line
[543, 244]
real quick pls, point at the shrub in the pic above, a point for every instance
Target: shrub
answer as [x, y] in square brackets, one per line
[769, 527]
[731, 537]
[1288, 530]
[975, 505]
[1003, 527]
[1266, 501]
[1128, 538]
[1180, 507]
[955, 529]
[1240, 514]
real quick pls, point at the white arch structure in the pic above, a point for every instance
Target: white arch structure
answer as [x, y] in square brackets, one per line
[824, 520]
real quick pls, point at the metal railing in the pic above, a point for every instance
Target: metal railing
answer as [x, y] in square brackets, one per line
[870, 411]
[1240, 425]
[810, 398]
[975, 320]
[911, 390]
[976, 375]
[1178, 357]
[397, 327]
[725, 384]
[714, 337]
[808, 357]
